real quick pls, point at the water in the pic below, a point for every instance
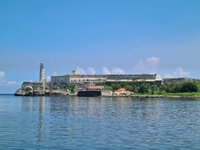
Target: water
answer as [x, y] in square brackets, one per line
[98, 123]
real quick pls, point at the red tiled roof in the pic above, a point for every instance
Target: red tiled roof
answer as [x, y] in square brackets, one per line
[121, 90]
[96, 87]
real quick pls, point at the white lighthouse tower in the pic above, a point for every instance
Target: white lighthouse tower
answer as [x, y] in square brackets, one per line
[42, 72]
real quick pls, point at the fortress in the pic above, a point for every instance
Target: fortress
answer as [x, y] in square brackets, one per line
[59, 82]
[77, 79]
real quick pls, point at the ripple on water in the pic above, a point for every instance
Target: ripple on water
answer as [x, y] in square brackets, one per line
[98, 123]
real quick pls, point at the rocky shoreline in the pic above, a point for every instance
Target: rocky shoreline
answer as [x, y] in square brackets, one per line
[60, 94]
[22, 92]
[33, 89]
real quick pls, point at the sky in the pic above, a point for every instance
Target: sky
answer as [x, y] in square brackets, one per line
[98, 37]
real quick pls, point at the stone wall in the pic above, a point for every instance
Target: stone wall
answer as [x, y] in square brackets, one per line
[59, 81]
[87, 78]
[132, 77]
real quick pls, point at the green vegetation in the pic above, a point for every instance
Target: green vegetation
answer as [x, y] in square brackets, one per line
[143, 89]
[189, 87]
[71, 87]
[182, 87]
[157, 89]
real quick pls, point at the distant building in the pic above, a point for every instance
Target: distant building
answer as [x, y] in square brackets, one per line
[62, 80]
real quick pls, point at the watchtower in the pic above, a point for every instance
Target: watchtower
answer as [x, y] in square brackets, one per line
[41, 72]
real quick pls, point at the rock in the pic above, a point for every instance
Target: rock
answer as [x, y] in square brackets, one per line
[22, 92]
[37, 89]
[19, 92]
[106, 92]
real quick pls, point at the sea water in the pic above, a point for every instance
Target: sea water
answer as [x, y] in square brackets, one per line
[98, 123]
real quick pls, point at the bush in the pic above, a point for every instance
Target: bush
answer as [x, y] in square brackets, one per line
[189, 87]
[181, 87]
[70, 87]
[143, 89]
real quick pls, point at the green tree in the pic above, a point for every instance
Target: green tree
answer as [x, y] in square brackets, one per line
[116, 86]
[143, 89]
[70, 87]
[189, 87]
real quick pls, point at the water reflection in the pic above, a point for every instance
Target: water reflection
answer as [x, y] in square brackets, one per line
[42, 104]
[41, 123]
[111, 122]
[27, 104]
[37, 106]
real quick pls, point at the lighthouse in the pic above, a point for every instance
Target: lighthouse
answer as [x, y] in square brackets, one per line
[41, 72]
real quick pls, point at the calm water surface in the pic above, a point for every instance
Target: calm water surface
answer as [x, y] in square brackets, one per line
[98, 123]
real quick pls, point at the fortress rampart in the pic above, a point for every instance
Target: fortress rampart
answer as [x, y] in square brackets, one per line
[62, 80]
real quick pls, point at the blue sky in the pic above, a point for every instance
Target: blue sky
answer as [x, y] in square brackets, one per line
[98, 36]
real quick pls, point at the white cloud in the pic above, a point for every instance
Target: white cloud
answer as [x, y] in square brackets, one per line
[153, 61]
[105, 70]
[117, 71]
[7, 86]
[148, 65]
[13, 83]
[180, 72]
[5, 83]
[168, 75]
[80, 71]
[2, 79]
[2, 74]
[91, 71]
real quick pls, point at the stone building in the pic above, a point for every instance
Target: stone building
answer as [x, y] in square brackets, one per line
[62, 80]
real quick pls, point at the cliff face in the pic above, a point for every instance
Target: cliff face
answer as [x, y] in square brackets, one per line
[38, 89]
[30, 89]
